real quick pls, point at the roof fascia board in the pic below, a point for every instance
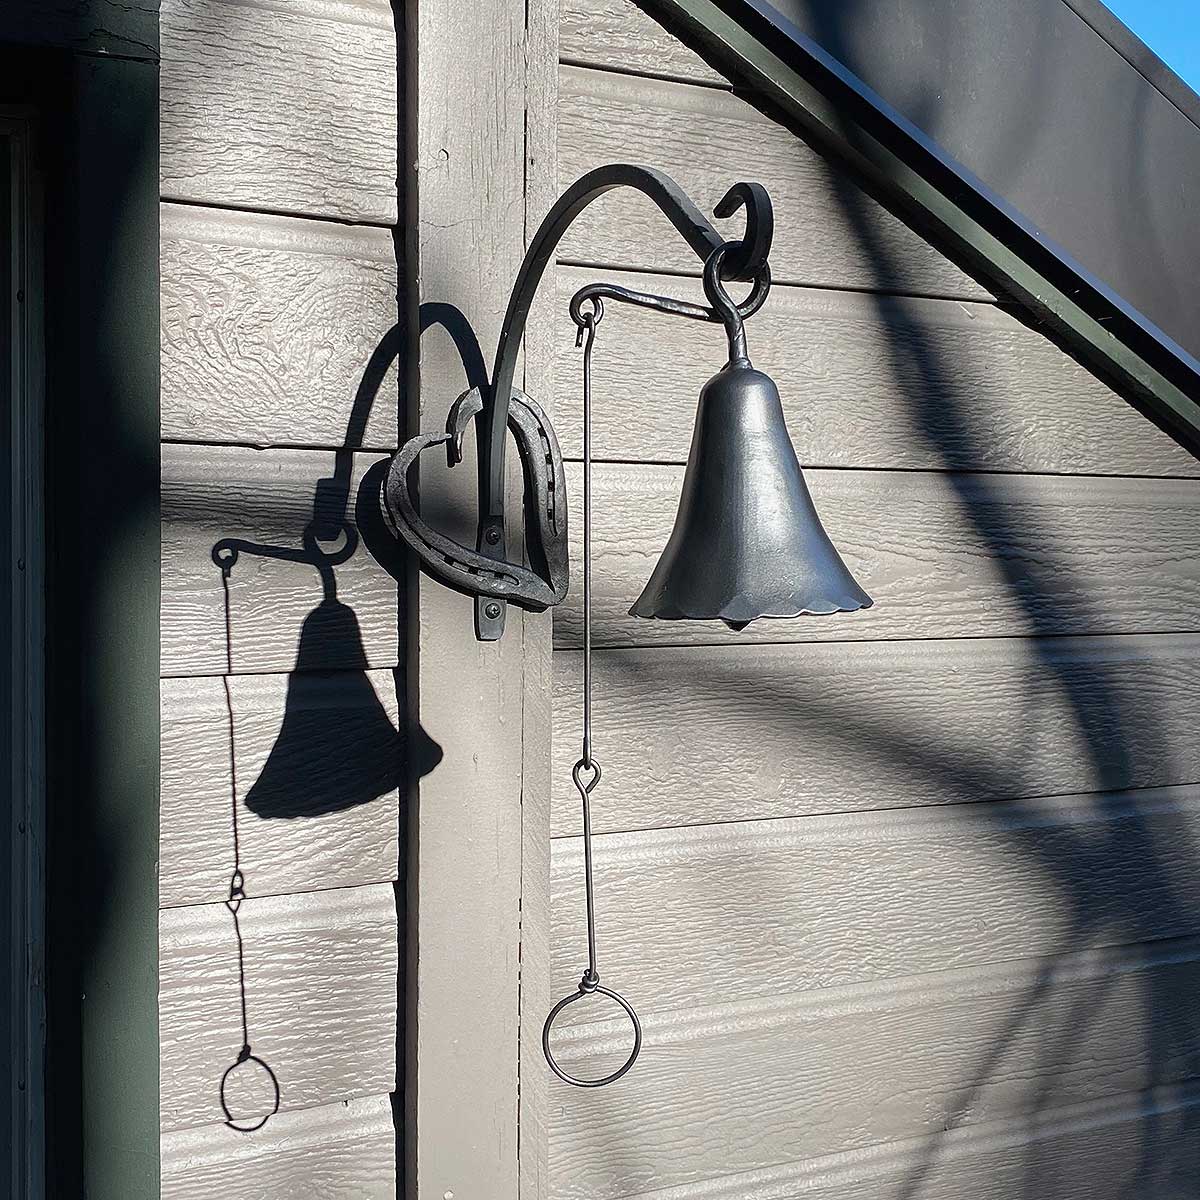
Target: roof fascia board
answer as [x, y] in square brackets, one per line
[756, 46]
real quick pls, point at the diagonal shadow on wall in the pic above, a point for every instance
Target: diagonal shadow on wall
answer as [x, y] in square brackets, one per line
[1115, 884]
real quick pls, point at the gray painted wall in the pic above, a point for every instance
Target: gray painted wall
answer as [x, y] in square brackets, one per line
[279, 137]
[906, 899]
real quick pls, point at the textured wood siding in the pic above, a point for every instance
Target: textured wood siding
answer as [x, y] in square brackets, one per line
[906, 898]
[273, 326]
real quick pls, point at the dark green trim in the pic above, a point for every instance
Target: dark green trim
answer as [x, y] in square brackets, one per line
[114, 220]
[98, 152]
[113, 28]
[749, 42]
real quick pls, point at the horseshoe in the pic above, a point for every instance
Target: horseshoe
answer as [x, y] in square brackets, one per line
[544, 582]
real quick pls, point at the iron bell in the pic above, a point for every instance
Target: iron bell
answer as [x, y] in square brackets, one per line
[747, 541]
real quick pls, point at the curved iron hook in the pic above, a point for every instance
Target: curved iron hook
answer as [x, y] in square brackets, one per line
[487, 571]
[750, 257]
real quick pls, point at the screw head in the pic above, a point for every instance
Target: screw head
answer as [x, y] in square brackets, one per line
[491, 535]
[492, 611]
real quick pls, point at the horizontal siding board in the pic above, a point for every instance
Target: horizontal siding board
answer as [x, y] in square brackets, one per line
[702, 735]
[827, 233]
[805, 1078]
[1136, 1146]
[1141, 1145]
[619, 36]
[866, 381]
[288, 108]
[337, 1152]
[943, 555]
[320, 990]
[755, 909]
[215, 492]
[319, 757]
[269, 327]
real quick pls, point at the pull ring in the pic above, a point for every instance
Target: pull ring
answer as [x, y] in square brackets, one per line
[248, 1125]
[586, 775]
[588, 985]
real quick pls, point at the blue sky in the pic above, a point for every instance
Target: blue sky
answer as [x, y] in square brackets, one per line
[1171, 28]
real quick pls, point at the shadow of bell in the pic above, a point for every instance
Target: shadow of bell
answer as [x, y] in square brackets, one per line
[337, 746]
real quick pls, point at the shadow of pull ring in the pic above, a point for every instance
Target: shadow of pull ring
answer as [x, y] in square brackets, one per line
[588, 985]
[248, 1125]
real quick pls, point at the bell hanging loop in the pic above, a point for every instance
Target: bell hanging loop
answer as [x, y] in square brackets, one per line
[730, 314]
[586, 322]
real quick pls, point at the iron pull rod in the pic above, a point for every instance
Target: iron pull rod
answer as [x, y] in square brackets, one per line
[587, 331]
[589, 984]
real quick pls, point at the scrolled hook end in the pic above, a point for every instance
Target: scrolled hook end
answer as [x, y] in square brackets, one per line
[748, 257]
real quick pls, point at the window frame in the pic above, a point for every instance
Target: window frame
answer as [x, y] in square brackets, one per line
[25, 668]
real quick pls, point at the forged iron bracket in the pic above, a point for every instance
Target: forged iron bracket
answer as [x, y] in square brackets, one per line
[487, 572]
[495, 579]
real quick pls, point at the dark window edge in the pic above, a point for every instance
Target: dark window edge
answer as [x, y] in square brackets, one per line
[97, 138]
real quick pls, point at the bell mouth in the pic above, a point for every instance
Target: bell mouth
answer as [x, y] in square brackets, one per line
[737, 618]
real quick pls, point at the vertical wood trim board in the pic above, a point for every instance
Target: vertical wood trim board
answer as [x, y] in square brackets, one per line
[541, 364]
[476, 78]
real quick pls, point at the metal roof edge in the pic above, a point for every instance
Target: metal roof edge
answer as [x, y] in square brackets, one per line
[1158, 74]
[761, 50]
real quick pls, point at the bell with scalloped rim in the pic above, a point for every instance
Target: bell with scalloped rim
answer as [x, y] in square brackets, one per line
[747, 541]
